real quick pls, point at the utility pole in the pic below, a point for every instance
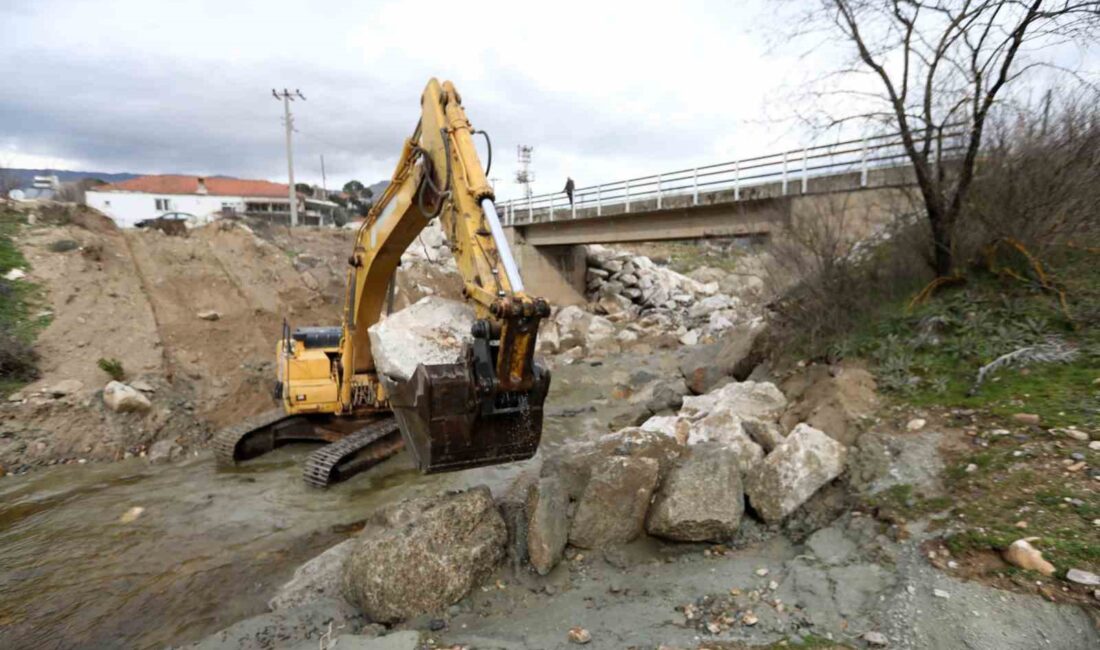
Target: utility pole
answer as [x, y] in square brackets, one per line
[324, 184]
[288, 97]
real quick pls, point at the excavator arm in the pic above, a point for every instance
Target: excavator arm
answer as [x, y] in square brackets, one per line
[488, 408]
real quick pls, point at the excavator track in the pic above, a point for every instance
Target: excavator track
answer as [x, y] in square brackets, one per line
[354, 453]
[227, 441]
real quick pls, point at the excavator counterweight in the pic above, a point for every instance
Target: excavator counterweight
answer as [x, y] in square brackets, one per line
[483, 409]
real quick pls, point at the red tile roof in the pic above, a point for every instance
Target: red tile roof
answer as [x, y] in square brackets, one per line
[178, 184]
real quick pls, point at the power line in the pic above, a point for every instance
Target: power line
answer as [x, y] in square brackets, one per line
[288, 97]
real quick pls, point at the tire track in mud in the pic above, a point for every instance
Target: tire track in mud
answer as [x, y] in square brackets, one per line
[166, 357]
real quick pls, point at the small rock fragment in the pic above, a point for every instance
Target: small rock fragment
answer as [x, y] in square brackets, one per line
[579, 635]
[1026, 418]
[916, 424]
[1022, 554]
[209, 314]
[940, 593]
[749, 619]
[876, 639]
[1086, 578]
[131, 515]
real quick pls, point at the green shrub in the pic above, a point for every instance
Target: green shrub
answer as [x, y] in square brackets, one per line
[112, 367]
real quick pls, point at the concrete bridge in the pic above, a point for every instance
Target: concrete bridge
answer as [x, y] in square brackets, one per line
[747, 197]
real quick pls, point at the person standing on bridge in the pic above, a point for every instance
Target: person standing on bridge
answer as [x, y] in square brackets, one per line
[569, 189]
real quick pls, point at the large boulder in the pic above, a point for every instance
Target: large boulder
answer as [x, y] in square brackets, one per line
[834, 399]
[429, 563]
[806, 460]
[600, 334]
[723, 428]
[572, 322]
[700, 368]
[121, 398]
[673, 426]
[315, 580]
[547, 523]
[613, 506]
[748, 399]
[432, 330]
[700, 500]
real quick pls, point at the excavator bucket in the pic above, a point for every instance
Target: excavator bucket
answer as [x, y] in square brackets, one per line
[449, 423]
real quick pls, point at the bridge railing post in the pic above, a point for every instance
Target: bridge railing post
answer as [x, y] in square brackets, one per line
[530, 210]
[736, 180]
[784, 173]
[658, 191]
[573, 208]
[626, 185]
[551, 207]
[599, 201]
[863, 164]
[695, 186]
[805, 175]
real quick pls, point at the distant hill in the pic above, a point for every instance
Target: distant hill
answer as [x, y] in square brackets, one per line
[25, 177]
[377, 188]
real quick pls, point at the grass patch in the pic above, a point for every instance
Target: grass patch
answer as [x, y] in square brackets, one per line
[931, 355]
[113, 368]
[901, 503]
[1027, 482]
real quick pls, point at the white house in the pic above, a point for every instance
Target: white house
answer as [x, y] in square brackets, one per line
[200, 200]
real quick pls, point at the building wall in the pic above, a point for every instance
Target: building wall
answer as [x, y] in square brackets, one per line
[128, 208]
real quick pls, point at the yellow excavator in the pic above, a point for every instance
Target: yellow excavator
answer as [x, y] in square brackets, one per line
[485, 409]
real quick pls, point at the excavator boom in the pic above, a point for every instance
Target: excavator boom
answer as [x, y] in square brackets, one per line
[488, 408]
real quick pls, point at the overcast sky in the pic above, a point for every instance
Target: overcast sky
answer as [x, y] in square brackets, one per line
[601, 90]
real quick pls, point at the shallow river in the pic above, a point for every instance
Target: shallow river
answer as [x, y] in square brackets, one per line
[210, 547]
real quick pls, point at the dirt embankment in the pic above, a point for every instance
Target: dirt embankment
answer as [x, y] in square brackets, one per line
[135, 296]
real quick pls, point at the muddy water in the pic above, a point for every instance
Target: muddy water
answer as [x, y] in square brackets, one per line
[210, 547]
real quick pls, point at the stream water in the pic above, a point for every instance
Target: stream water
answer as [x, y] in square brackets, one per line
[209, 547]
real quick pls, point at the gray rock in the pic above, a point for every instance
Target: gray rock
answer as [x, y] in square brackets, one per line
[596, 273]
[163, 451]
[65, 387]
[700, 500]
[699, 367]
[547, 523]
[763, 432]
[1087, 578]
[613, 507]
[433, 330]
[285, 629]
[143, 386]
[315, 580]
[722, 427]
[806, 460]
[747, 399]
[428, 563]
[403, 640]
[120, 398]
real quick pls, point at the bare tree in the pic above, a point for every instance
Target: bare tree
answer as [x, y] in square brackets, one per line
[930, 67]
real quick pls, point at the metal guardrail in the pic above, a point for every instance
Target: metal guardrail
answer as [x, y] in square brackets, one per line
[791, 170]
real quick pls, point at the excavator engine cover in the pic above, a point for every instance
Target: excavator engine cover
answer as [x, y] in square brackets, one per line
[449, 424]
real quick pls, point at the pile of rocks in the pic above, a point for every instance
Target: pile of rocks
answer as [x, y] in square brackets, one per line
[682, 477]
[624, 286]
